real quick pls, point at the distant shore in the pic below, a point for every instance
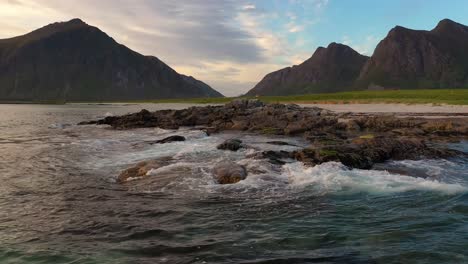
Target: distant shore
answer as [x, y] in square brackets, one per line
[428, 100]
[428, 96]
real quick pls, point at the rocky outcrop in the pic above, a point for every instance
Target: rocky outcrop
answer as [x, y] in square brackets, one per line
[242, 115]
[73, 61]
[315, 124]
[334, 68]
[229, 173]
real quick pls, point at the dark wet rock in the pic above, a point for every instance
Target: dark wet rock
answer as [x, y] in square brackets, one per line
[363, 153]
[280, 143]
[229, 173]
[276, 157]
[170, 139]
[231, 144]
[141, 169]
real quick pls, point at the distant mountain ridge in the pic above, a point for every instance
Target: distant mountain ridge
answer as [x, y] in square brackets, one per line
[334, 67]
[409, 58]
[73, 61]
[404, 59]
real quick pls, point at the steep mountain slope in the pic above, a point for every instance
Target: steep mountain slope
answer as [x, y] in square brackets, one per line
[72, 61]
[330, 69]
[420, 59]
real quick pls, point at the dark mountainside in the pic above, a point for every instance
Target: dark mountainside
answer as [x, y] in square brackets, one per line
[410, 59]
[405, 59]
[330, 69]
[72, 61]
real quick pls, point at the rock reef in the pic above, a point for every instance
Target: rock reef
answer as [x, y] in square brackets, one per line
[357, 141]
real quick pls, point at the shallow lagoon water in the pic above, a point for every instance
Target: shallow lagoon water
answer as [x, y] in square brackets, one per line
[59, 202]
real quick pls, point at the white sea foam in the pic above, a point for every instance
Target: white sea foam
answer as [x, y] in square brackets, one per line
[334, 177]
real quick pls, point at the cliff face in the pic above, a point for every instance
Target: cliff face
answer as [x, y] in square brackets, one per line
[334, 68]
[73, 61]
[420, 59]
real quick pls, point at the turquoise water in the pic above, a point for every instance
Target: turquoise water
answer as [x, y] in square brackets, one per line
[59, 202]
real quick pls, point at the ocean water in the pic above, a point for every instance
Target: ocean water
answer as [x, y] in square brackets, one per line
[59, 202]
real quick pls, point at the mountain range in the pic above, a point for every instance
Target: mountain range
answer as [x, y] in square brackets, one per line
[404, 59]
[73, 61]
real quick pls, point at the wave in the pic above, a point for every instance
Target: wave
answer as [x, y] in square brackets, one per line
[333, 177]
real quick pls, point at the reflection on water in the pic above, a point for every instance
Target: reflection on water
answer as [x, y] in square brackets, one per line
[59, 202]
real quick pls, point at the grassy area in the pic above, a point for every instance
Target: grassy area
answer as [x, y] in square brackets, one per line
[432, 96]
[429, 96]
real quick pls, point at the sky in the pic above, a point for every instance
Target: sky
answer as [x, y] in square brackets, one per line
[232, 44]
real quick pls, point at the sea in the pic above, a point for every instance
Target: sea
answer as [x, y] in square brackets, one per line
[60, 202]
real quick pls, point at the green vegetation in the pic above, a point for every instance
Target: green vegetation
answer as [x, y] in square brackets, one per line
[369, 136]
[328, 153]
[439, 96]
[428, 96]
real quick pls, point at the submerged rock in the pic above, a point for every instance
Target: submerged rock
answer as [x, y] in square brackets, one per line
[170, 139]
[280, 143]
[229, 173]
[141, 169]
[231, 144]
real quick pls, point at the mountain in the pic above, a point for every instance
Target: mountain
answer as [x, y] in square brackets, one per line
[334, 68]
[73, 61]
[420, 59]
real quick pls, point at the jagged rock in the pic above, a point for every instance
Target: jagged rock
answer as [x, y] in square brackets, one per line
[363, 153]
[229, 173]
[231, 144]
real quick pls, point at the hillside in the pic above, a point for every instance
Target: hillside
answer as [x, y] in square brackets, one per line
[334, 68]
[73, 61]
[409, 59]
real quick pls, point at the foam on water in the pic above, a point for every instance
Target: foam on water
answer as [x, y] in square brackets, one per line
[199, 154]
[333, 177]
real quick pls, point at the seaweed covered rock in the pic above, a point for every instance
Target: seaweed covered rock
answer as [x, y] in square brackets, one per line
[364, 152]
